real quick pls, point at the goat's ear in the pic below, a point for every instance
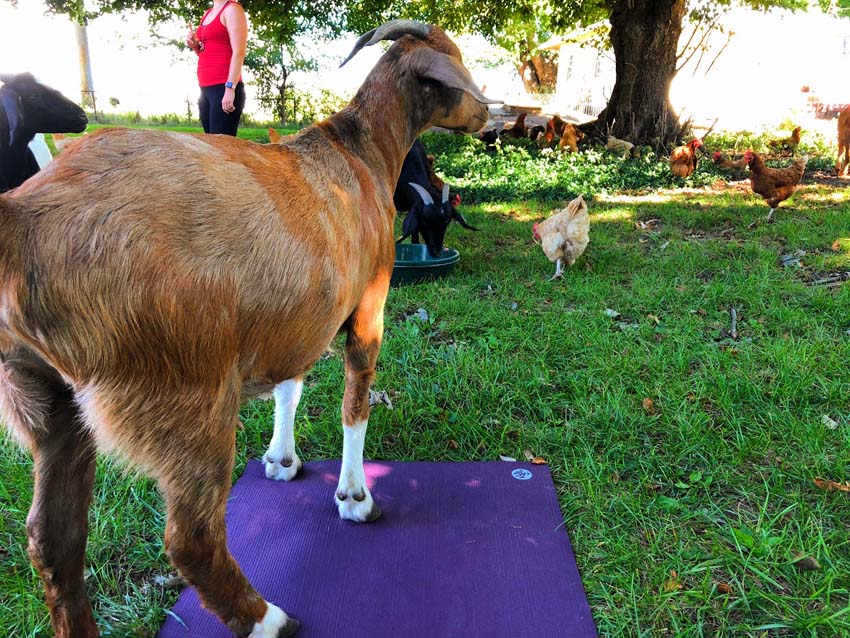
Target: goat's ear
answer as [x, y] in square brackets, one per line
[460, 220]
[442, 68]
[11, 102]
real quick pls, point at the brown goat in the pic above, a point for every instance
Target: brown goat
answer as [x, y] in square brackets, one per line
[151, 281]
[842, 163]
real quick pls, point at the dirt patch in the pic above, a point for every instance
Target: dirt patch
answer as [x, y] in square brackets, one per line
[826, 179]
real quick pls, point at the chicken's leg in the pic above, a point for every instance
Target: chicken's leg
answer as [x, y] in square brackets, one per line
[559, 273]
[769, 219]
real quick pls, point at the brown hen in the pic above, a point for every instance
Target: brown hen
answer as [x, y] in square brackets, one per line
[683, 159]
[775, 185]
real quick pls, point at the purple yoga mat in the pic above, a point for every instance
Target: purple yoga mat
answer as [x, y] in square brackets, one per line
[463, 550]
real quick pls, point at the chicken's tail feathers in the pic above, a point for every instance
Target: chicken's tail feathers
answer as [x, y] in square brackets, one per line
[577, 206]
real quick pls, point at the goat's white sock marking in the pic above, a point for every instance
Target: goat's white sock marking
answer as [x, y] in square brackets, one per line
[271, 623]
[352, 477]
[287, 395]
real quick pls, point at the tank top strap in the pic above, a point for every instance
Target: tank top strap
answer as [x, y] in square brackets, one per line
[217, 15]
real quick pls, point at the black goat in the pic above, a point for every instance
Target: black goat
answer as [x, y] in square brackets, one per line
[416, 193]
[28, 107]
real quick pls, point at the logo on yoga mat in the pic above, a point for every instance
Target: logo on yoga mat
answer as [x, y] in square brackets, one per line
[521, 474]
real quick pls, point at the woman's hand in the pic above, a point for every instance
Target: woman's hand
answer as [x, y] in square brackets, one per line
[227, 102]
[192, 42]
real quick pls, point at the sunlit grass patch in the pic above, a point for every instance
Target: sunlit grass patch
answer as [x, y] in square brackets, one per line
[684, 446]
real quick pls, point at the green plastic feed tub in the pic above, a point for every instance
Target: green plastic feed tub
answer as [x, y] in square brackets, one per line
[413, 264]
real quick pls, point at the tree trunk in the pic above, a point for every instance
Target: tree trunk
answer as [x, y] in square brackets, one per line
[645, 37]
[538, 73]
[281, 95]
[281, 103]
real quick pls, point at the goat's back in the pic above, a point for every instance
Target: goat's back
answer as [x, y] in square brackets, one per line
[135, 239]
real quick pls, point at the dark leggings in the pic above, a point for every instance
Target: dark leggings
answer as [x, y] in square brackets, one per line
[213, 118]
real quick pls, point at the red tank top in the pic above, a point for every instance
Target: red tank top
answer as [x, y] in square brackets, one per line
[214, 59]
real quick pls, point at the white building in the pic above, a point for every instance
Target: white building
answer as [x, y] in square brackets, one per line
[759, 78]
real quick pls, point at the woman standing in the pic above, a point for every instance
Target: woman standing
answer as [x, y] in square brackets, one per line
[220, 42]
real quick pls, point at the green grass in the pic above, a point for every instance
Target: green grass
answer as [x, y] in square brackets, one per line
[685, 521]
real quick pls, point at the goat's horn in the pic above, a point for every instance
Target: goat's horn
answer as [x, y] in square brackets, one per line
[445, 193]
[391, 30]
[425, 195]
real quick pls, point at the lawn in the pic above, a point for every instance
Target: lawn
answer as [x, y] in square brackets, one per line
[684, 455]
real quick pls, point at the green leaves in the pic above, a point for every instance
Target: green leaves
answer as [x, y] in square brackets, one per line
[518, 169]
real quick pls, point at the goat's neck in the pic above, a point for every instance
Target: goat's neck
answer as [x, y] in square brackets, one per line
[380, 127]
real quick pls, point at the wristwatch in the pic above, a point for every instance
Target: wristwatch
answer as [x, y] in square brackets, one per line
[228, 85]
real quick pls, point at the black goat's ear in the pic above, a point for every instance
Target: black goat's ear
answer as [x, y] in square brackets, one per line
[460, 220]
[442, 68]
[11, 102]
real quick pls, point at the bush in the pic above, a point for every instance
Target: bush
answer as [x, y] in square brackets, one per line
[135, 118]
[812, 142]
[517, 169]
[315, 106]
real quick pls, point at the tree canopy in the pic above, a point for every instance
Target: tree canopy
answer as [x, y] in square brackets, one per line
[644, 36]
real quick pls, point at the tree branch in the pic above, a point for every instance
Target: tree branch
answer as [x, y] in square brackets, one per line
[722, 49]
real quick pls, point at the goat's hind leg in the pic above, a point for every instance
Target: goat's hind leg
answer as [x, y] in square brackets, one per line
[42, 411]
[365, 331]
[282, 462]
[195, 483]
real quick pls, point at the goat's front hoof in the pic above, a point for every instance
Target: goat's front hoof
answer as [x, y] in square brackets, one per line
[284, 469]
[275, 624]
[357, 506]
[289, 628]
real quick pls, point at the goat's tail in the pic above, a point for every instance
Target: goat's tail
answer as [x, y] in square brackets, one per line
[25, 399]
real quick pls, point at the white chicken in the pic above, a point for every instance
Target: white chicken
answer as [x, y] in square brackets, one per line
[564, 235]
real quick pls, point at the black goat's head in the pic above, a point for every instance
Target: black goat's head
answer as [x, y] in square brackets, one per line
[431, 220]
[32, 107]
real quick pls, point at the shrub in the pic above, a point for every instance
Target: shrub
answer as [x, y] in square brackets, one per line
[517, 169]
[312, 106]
